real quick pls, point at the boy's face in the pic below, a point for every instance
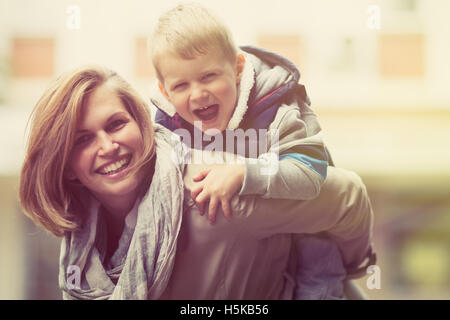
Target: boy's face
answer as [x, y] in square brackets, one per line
[202, 89]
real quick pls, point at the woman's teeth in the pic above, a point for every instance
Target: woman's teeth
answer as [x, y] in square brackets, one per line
[114, 167]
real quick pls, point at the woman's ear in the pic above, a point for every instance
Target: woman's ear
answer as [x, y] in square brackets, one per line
[163, 91]
[70, 175]
[240, 64]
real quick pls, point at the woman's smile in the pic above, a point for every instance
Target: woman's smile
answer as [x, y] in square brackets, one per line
[113, 168]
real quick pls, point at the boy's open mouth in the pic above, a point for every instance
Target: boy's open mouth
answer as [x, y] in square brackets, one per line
[207, 113]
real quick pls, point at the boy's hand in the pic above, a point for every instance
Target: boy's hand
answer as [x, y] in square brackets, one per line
[219, 184]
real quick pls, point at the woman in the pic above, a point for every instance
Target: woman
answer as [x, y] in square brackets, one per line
[97, 173]
[89, 159]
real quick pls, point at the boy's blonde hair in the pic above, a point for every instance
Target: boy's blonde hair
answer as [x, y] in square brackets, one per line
[188, 31]
[47, 196]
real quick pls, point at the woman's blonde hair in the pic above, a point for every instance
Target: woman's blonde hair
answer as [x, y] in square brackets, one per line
[188, 31]
[46, 195]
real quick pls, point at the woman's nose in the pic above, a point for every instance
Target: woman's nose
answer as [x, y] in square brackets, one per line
[107, 146]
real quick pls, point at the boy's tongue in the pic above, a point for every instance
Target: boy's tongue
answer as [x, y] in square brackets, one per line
[209, 113]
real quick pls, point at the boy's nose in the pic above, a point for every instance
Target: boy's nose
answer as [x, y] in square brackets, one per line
[198, 94]
[107, 146]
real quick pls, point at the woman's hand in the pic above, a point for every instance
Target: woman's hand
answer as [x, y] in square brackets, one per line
[218, 184]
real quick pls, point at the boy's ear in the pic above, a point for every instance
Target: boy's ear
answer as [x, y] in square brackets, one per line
[163, 91]
[240, 63]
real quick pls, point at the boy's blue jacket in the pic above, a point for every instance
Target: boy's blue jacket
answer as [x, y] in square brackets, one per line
[270, 98]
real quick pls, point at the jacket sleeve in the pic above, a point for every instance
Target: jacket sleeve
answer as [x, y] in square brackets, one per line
[295, 166]
[342, 210]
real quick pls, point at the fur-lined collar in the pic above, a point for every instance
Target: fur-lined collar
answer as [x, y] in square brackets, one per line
[244, 89]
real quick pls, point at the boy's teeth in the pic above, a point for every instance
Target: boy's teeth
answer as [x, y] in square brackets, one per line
[208, 112]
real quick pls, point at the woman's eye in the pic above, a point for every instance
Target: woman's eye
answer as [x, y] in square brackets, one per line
[83, 139]
[116, 124]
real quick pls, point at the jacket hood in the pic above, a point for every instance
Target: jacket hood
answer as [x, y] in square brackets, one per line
[266, 77]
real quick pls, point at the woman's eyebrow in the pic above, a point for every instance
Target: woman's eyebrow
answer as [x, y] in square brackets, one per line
[115, 114]
[80, 131]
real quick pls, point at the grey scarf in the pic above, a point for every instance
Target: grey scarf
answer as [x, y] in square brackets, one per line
[142, 264]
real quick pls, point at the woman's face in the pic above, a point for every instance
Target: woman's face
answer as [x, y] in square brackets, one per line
[107, 142]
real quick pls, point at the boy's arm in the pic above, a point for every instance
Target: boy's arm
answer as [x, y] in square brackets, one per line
[296, 171]
[300, 166]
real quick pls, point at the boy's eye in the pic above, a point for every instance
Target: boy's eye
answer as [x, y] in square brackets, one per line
[179, 86]
[209, 76]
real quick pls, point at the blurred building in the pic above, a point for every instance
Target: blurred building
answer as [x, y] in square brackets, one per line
[377, 75]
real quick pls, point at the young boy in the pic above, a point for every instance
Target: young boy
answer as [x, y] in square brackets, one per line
[207, 85]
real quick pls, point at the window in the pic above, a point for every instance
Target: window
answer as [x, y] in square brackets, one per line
[143, 63]
[406, 5]
[289, 46]
[401, 55]
[33, 57]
